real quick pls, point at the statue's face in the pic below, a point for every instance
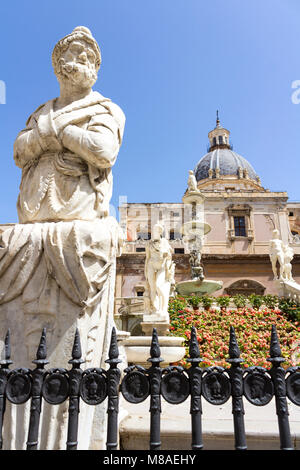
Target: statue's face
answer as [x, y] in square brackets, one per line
[78, 64]
[157, 232]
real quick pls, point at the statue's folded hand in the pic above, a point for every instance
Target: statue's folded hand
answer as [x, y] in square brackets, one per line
[64, 120]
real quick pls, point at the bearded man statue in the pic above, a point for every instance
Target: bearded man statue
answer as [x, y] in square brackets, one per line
[57, 266]
[70, 143]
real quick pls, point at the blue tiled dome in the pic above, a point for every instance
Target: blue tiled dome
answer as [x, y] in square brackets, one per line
[226, 160]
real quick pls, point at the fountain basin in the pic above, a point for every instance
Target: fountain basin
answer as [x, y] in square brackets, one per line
[138, 349]
[195, 227]
[198, 287]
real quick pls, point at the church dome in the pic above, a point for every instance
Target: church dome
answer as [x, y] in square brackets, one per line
[227, 161]
[221, 160]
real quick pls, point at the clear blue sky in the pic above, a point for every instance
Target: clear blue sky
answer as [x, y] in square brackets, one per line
[169, 64]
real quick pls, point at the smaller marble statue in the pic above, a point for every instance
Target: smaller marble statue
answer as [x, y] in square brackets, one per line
[192, 183]
[159, 272]
[288, 254]
[196, 267]
[276, 252]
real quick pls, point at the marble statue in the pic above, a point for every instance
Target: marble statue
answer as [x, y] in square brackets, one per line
[288, 254]
[159, 272]
[192, 183]
[276, 253]
[57, 265]
[196, 266]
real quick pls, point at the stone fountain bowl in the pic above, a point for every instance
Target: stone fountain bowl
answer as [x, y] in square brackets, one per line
[198, 287]
[194, 227]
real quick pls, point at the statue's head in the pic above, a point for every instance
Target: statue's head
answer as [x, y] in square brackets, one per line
[275, 233]
[158, 231]
[76, 58]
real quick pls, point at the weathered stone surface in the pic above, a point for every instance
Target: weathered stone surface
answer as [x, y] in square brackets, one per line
[57, 266]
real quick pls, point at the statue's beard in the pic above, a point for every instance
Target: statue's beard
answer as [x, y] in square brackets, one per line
[79, 74]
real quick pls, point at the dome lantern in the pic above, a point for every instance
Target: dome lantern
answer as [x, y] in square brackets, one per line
[218, 137]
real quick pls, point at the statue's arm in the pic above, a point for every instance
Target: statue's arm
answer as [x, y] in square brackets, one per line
[27, 146]
[99, 144]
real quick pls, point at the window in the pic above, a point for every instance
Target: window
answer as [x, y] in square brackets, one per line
[220, 139]
[143, 235]
[291, 214]
[179, 250]
[139, 249]
[174, 214]
[214, 141]
[239, 226]
[139, 291]
[175, 235]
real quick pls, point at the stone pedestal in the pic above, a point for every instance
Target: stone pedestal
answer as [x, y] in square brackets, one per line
[63, 282]
[162, 328]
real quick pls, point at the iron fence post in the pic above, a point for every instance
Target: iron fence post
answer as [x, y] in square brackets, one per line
[4, 372]
[74, 382]
[195, 376]
[113, 379]
[155, 373]
[36, 400]
[278, 376]
[236, 377]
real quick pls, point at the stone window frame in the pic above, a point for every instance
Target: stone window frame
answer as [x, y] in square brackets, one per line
[137, 289]
[240, 210]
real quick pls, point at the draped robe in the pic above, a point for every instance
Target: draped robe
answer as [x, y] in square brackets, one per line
[57, 266]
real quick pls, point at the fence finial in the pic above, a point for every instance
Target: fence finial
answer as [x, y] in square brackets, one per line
[275, 350]
[113, 349]
[42, 349]
[7, 346]
[7, 352]
[194, 347]
[113, 352]
[234, 351]
[41, 354]
[76, 350]
[154, 349]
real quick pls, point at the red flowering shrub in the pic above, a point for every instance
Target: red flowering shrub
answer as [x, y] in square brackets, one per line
[252, 328]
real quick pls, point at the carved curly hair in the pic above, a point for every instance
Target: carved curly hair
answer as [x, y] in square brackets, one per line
[80, 32]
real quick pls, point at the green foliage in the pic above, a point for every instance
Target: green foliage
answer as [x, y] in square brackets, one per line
[207, 301]
[194, 301]
[256, 300]
[290, 307]
[223, 300]
[270, 300]
[239, 300]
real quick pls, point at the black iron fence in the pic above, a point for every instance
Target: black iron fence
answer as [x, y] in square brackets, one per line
[175, 384]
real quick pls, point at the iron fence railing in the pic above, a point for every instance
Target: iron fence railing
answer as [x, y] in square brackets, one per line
[174, 383]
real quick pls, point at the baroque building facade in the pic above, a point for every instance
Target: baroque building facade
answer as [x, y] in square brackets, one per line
[242, 215]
